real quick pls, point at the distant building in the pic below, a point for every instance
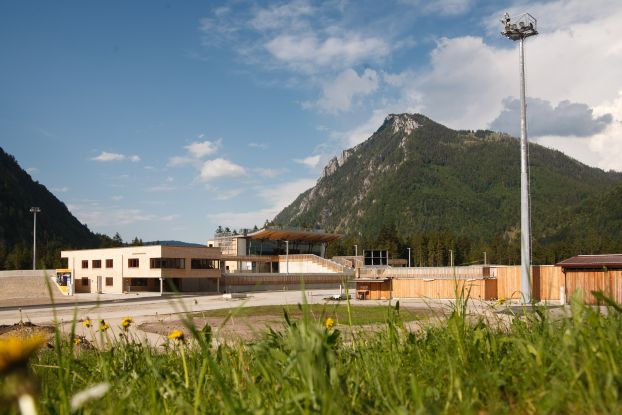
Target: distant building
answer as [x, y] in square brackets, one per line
[144, 268]
[268, 250]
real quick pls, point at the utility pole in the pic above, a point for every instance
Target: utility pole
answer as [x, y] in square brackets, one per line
[451, 258]
[34, 210]
[408, 257]
[287, 257]
[514, 29]
[485, 263]
[356, 250]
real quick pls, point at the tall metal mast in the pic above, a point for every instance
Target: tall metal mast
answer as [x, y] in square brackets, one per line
[520, 28]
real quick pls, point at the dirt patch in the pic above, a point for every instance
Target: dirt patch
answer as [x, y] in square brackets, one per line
[233, 330]
[26, 329]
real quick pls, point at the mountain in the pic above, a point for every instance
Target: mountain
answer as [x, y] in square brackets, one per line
[415, 177]
[57, 228]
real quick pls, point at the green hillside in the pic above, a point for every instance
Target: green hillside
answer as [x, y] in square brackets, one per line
[57, 228]
[444, 187]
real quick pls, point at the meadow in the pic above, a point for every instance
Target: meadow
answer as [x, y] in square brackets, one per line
[462, 363]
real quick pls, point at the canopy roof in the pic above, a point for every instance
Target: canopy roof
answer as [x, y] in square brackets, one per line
[592, 261]
[285, 234]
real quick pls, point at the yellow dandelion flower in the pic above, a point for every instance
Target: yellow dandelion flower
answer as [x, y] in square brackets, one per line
[87, 323]
[15, 351]
[103, 326]
[329, 323]
[126, 323]
[176, 335]
[501, 301]
[77, 341]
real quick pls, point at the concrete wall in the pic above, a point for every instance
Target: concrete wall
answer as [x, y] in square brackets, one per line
[28, 273]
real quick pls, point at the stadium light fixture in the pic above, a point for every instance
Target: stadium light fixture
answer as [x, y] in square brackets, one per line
[519, 28]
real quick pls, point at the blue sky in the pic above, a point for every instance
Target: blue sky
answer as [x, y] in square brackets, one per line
[165, 119]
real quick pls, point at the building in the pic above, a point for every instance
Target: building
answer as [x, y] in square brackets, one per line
[144, 268]
[584, 274]
[274, 249]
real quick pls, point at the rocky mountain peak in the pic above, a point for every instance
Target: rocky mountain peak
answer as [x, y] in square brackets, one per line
[405, 123]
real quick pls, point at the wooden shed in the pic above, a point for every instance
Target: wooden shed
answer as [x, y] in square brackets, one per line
[587, 273]
[373, 289]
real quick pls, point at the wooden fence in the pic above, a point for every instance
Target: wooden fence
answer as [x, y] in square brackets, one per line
[480, 288]
[584, 282]
[546, 282]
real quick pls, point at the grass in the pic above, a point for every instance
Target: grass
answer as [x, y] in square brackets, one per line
[535, 364]
[338, 312]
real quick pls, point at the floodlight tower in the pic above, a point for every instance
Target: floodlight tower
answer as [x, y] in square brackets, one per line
[34, 210]
[520, 28]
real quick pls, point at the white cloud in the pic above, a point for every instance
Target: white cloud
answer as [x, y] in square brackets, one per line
[277, 197]
[32, 170]
[307, 52]
[63, 189]
[311, 161]
[203, 148]
[284, 15]
[105, 156]
[176, 161]
[220, 168]
[96, 215]
[116, 198]
[338, 94]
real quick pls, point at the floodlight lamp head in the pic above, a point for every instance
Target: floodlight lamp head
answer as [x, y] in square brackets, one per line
[519, 27]
[35, 209]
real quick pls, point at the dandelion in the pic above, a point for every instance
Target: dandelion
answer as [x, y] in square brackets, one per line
[77, 341]
[15, 351]
[501, 301]
[103, 326]
[126, 323]
[87, 323]
[176, 335]
[329, 323]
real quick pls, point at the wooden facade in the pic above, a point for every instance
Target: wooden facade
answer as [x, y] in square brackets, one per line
[546, 282]
[446, 288]
[583, 282]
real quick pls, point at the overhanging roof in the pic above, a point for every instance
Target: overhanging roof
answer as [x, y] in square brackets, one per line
[592, 261]
[293, 235]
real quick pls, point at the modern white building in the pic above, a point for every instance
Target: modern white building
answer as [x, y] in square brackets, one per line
[144, 268]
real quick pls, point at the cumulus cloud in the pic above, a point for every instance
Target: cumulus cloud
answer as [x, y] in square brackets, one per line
[220, 168]
[307, 51]
[442, 7]
[565, 119]
[338, 94]
[283, 15]
[203, 148]
[311, 161]
[105, 156]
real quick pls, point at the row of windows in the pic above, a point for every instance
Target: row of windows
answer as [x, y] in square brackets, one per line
[158, 263]
[96, 263]
[109, 281]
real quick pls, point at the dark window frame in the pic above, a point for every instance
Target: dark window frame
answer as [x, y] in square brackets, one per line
[109, 263]
[96, 263]
[133, 262]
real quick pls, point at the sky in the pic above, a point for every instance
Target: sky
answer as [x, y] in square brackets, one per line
[165, 119]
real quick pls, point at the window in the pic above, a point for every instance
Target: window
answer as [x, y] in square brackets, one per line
[170, 263]
[109, 263]
[109, 281]
[97, 263]
[85, 263]
[132, 263]
[85, 281]
[202, 263]
[138, 282]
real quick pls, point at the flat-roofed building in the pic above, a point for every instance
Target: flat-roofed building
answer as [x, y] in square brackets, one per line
[144, 268]
[275, 249]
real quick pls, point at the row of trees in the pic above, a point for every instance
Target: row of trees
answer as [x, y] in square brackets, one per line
[433, 248]
[19, 256]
